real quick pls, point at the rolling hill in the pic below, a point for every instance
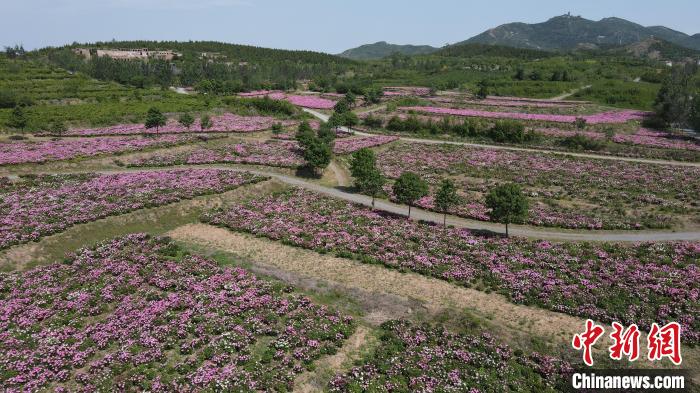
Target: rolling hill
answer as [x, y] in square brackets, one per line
[382, 49]
[570, 32]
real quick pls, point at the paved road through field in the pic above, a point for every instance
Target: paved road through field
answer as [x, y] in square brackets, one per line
[325, 117]
[425, 215]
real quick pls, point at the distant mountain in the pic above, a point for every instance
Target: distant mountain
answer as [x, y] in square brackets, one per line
[382, 49]
[570, 32]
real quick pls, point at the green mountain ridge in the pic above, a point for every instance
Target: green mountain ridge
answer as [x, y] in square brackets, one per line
[382, 49]
[568, 32]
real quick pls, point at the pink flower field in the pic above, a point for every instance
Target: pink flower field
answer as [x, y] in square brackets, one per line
[304, 101]
[135, 314]
[224, 123]
[657, 139]
[594, 185]
[422, 358]
[639, 284]
[38, 206]
[599, 118]
[271, 153]
[279, 152]
[24, 152]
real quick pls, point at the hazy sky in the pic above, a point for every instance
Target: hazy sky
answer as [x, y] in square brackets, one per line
[323, 25]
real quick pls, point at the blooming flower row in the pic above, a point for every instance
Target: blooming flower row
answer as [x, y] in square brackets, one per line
[595, 186]
[311, 102]
[44, 205]
[133, 314]
[599, 118]
[657, 139]
[279, 152]
[428, 359]
[643, 283]
[271, 153]
[225, 123]
[22, 152]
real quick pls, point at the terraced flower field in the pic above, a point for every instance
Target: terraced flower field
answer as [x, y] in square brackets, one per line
[220, 124]
[607, 282]
[135, 314]
[566, 191]
[38, 206]
[426, 359]
[277, 153]
[613, 117]
[23, 152]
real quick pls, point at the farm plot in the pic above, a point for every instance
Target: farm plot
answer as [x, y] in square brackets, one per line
[613, 117]
[608, 282]
[38, 206]
[565, 191]
[424, 358]
[137, 314]
[23, 152]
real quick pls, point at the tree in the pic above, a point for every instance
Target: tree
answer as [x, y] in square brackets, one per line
[507, 204]
[695, 116]
[18, 118]
[409, 188]
[186, 120]
[483, 91]
[368, 178]
[154, 118]
[57, 127]
[580, 123]
[204, 122]
[317, 154]
[326, 134]
[674, 101]
[445, 198]
[304, 133]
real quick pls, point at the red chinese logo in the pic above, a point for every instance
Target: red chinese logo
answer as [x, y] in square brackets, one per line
[665, 342]
[586, 340]
[625, 342]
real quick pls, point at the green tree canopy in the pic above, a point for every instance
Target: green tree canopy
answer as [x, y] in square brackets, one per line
[154, 118]
[368, 178]
[508, 204]
[409, 188]
[446, 198]
[186, 120]
[18, 118]
[205, 122]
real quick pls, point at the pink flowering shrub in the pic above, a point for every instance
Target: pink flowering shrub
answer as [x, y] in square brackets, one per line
[135, 314]
[406, 91]
[643, 283]
[599, 118]
[427, 359]
[283, 152]
[42, 205]
[305, 101]
[271, 153]
[219, 124]
[589, 188]
[658, 139]
[23, 152]
[350, 145]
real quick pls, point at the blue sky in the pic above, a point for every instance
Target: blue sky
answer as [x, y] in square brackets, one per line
[323, 25]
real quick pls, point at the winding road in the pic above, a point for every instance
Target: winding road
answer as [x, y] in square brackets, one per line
[325, 117]
[425, 215]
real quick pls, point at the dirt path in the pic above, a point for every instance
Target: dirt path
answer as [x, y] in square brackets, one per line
[513, 148]
[342, 177]
[425, 215]
[327, 367]
[509, 321]
[569, 94]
